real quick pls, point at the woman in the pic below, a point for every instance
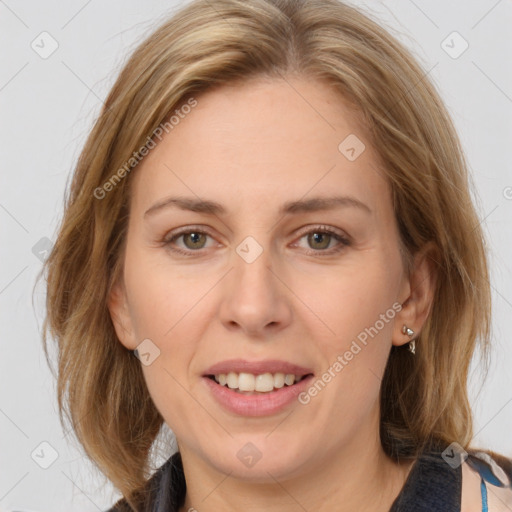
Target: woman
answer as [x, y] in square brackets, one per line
[270, 247]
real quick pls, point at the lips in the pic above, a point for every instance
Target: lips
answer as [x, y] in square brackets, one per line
[256, 404]
[256, 367]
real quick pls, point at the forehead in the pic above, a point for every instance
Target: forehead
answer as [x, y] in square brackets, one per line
[265, 139]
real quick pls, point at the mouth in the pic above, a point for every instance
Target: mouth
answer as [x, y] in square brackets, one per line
[252, 395]
[256, 388]
[257, 384]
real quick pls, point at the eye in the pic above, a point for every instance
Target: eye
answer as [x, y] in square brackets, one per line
[321, 239]
[192, 240]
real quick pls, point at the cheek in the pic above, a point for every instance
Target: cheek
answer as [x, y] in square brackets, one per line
[164, 308]
[162, 298]
[357, 307]
[351, 300]
[354, 360]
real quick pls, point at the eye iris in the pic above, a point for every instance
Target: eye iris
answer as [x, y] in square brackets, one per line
[322, 238]
[195, 238]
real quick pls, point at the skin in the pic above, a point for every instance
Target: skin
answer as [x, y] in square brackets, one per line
[252, 147]
[499, 499]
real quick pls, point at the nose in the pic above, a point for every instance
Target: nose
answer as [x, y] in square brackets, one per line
[255, 301]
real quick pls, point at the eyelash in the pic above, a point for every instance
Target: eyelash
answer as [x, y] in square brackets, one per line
[324, 230]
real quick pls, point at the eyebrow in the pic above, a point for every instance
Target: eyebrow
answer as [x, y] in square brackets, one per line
[313, 204]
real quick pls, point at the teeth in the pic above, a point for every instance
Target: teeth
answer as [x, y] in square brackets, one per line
[263, 383]
[289, 379]
[279, 380]
[246, 381]
[232, 380]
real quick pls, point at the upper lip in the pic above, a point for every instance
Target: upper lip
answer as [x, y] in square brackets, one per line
[257, 367]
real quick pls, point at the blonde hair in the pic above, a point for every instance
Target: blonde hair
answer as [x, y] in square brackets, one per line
[101, 389]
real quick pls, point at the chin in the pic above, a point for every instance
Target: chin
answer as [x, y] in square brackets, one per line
[263, 465]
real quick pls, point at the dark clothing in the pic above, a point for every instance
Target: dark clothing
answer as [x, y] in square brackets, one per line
[432, 485]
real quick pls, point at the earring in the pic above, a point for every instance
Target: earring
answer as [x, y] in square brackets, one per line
[412, 343]
[406, 330]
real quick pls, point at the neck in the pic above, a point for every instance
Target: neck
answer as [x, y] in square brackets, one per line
[359, 476]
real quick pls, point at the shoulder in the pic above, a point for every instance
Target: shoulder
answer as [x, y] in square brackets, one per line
[496, 471]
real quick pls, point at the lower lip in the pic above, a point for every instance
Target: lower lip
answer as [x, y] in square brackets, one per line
[257, 404]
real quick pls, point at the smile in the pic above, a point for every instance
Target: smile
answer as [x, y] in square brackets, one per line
[256, 403]
[248, 383]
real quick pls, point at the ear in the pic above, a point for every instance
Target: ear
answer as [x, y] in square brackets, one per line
[120, 315]
[417, 294]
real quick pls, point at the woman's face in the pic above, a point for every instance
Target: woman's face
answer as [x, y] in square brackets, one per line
[297, 263]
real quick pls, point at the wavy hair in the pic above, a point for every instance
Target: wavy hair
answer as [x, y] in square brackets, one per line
[101, 389]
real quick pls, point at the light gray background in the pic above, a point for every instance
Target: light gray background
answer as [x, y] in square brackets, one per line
[47, 107]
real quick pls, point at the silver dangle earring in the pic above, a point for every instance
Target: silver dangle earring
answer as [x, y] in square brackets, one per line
[412, 343]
